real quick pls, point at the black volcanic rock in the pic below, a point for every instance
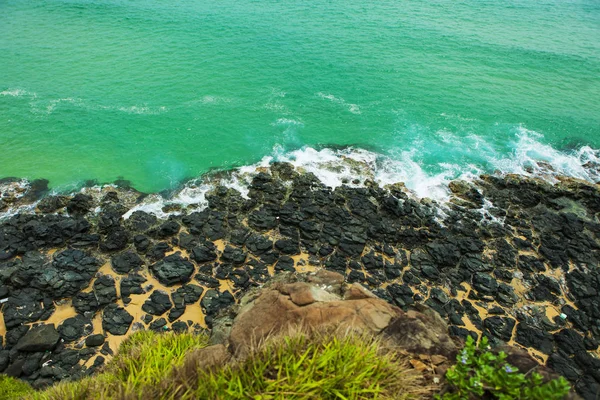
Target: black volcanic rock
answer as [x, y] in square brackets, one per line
[70, 272]
[85, 302]
[132, 284]
[233, 255]
[158, 303]
[498, 328]
[74, 328]
[116, 320]
[173, 269]
[530, 336]
[116, 239]
[51, 204]
[40, 338]
[204, 252]
[80, 204]
[213, 301]
[485, 283]
[124, 262]
[105, 290]
[95, 340]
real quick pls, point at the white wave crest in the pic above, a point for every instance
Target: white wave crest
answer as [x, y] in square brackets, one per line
[353, 108]
[18, 93]
[531, 157]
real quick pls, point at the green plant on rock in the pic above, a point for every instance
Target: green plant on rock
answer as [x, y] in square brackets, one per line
[479, 372]
[13, 389]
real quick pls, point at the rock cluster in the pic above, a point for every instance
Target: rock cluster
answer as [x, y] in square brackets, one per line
[510, 257]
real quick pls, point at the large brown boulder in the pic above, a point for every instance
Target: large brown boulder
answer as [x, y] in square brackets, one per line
[311, 305]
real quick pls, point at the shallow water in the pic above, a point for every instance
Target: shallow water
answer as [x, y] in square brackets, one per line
[159, 92]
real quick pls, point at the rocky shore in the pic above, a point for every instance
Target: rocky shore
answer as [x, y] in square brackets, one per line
[513, 258]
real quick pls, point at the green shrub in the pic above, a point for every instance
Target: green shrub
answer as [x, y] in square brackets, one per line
[479, 371]
[13, 389]
[314, 366]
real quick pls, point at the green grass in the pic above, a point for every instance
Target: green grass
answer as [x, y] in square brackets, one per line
[146, 358]
[313, 366]
[136, 372]
[12, 389]
[298, 366]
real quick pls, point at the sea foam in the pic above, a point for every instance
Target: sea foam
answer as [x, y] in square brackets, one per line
[354, 167]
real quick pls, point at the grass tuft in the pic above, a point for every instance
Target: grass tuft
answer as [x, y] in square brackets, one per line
[299, 365]
[13, 389]
[314, 366]
[142, 362]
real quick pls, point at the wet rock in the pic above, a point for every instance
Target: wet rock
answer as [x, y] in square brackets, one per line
[85, 302]
[204, 252]
[588, 387]
[167, 229]
[336, 263]
[444, 253]
[352, 244]
[259, 244]
[179, 327]
[22, 272]
[207, 281]
[172, 270]
[52, 204]
[569, 341]
[124, 262]
[116, 320]
[288, 246]
[80, 204]
[4, 359]
[213, 301]
[158, 325]
[498, 328]
[39, 338]
[94, 340]
[562, 364]
[401, 294]
[141, 243]
[70, 272]
[530, 336]
[392, 271]
[285, 263]
[158, 251]
[24, 305]
[32, 363]
[158, 303]
[233, 255]
[75, 327]
[506, 295]
[485, 284]
[187, 294]
[187, 241]
[116, 239]
[140, 221]
[105, 290]
[240, 278]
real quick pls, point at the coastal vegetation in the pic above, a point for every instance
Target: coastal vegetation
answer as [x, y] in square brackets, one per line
[297, 365]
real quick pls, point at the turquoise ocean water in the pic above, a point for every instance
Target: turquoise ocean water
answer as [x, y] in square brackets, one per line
[157, 92]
